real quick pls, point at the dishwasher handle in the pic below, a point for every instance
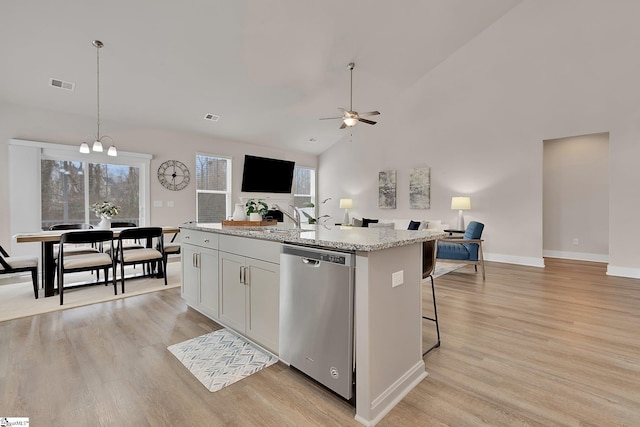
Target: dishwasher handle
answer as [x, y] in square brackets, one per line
[310, 262]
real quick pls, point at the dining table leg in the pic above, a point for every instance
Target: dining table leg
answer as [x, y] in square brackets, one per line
[48, 268]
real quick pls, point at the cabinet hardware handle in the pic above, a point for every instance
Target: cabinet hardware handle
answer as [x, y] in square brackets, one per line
[187, 237]
[241, 277]
[198, 259]
[206, 240]
[247, 275]
[193, 260]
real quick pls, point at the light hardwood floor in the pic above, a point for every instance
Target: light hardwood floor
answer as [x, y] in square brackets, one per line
[529, 346]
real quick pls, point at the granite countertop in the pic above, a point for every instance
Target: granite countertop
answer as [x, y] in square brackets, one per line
[330, 237]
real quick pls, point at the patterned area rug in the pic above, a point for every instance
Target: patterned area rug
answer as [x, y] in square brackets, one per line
[443, 268]
[221, 358]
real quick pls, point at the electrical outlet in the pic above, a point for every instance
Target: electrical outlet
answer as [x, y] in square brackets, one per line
[397, 278]
[576, 241]
[157, 203]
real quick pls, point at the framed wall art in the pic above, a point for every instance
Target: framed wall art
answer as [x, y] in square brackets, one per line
[387, 190]
[420, 188]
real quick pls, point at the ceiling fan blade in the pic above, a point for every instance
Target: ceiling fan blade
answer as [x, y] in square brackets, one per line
[343, 125]
[369, 122]
[370, 113]
[330, 118]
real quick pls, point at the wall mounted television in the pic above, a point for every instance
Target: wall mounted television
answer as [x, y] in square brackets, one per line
[264, 175]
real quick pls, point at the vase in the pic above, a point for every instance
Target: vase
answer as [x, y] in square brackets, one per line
[238, 213]
[255, 217]
[105, 223]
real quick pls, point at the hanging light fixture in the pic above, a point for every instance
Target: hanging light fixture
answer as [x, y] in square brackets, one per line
[97, 143]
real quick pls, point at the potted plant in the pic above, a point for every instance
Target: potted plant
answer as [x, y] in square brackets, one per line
[315, 220]
[256, 209]
[105, 211]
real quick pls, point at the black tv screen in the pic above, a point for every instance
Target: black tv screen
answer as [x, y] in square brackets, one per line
[264, 175]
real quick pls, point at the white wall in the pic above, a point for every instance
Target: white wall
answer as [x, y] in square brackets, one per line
[47, 126]
[576, 197]
[547, 69]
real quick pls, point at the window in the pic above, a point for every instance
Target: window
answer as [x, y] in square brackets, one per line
[304, 186]
[213, 188]
[68, 191]
[34, 184]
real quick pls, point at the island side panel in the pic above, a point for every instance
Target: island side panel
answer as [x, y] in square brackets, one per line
[388, 329]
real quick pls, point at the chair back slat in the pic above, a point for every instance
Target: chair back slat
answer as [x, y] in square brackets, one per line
[140, 233]
[70, 227]
[116, 224]
[92, 236]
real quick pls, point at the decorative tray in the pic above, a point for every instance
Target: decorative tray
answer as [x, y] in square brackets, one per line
[265, 222]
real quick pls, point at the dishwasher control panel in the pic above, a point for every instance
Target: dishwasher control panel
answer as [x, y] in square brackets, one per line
[336, 259]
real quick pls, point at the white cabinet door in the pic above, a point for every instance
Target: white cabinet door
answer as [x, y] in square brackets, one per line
[208, 295]
[200, 279]
[232, 290]
[190, 274]
[263, 303]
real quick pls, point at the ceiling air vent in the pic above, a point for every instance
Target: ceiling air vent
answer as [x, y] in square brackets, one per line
[211, 117]
[61, 84]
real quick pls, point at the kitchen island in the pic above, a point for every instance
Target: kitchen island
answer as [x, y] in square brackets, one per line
[387, 303]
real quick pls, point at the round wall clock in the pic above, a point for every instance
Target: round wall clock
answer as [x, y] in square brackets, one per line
[174, 175]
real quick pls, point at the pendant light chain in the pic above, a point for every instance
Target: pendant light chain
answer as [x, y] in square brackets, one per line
[351, 90]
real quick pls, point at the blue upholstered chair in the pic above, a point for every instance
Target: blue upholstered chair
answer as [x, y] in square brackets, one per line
[467, 250]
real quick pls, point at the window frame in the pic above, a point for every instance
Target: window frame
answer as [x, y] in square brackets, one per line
[25, 190]
[228, 192]
[312, 185]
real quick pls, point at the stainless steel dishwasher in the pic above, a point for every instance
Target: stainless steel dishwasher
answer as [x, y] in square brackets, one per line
[316, 315]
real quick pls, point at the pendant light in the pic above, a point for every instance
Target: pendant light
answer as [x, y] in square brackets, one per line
[97, 143]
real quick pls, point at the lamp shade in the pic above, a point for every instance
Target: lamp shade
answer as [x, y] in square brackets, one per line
[346, 203]
[461, 203]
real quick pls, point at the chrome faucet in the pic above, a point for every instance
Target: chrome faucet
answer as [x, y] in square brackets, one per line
[295, 217]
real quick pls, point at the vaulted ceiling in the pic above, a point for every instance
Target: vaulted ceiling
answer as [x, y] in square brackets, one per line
[269, 68]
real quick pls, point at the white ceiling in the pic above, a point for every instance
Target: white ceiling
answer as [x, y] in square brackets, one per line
[269, 69]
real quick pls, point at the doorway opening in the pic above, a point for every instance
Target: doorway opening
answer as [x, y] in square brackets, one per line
[576, 197]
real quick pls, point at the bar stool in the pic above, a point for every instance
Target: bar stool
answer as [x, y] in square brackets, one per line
[428, 266]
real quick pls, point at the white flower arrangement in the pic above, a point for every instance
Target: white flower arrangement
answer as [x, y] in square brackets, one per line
[107, 209]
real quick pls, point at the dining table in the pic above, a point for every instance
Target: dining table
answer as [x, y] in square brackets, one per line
[48, 239]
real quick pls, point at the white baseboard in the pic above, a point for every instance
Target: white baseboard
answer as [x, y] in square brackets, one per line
[581, 256]
[633, 273]
[511, 259]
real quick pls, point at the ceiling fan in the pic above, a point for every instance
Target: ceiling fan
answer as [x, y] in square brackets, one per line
[349, 117]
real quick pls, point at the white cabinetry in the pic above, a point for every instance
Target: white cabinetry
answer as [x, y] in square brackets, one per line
[200, 271]
[250, 288]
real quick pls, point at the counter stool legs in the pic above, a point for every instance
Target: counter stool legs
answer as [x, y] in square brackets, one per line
[435, 317]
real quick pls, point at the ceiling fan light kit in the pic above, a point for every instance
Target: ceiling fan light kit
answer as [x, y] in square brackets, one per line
[97, 144]
[350, 117]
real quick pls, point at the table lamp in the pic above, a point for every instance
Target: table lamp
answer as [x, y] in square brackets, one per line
[461, 204]
[346, 204]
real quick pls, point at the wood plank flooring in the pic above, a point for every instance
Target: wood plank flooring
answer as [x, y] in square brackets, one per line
[529, 346]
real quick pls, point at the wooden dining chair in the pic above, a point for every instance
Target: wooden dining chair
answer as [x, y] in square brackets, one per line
[149, 254]
[77, 249]
[20, 264]
[429, 251]
[133, 244]
[72, 263]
